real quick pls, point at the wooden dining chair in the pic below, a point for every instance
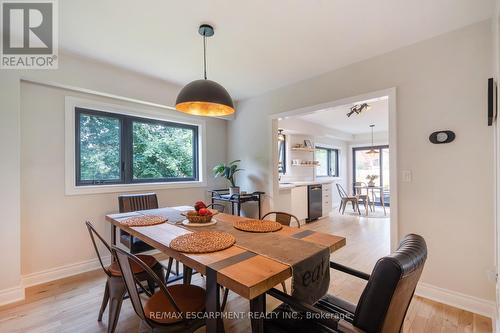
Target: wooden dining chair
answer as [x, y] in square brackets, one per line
[136, 202]
[361, 192]
[132, 203]
[114, 291]
[219, 207]
[345, 198]
[165, 311]
[283, 218]
[381, 308]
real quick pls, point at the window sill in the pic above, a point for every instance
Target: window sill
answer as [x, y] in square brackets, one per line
[119, 188]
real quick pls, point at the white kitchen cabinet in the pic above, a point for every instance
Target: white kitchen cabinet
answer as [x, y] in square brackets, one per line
[327, 199]
[299, 202]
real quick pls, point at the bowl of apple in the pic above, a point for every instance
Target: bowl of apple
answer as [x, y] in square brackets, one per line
[201, 214]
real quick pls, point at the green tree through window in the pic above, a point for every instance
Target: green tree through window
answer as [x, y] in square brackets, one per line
[162, 152]
[120, 149]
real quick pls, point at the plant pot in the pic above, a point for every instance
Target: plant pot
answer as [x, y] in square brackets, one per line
[371, 184]
[234, 190]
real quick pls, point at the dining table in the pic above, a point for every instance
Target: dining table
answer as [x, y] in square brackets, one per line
[371, 190]
[245, 273]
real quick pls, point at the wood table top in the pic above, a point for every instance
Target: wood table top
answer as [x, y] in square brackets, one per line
[248, 274]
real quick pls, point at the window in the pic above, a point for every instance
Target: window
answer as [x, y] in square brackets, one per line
[328, 162]
[377, 165]
[282, 155]
[121, 149]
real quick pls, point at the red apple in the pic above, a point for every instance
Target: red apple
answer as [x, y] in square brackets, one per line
[203, 212]
[199, 205]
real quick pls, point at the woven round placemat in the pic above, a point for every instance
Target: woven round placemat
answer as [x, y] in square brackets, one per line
[203, 242]
[144, 220]
[257, 225]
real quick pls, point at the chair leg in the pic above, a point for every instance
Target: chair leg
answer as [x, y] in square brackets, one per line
[116, 294]
[344, 203]
[104, 303]
[357, 207]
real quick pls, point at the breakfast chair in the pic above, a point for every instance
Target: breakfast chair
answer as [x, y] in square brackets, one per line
[345, 198]
[362, 194]
[115, 287]
[165, 311]
[381, 308]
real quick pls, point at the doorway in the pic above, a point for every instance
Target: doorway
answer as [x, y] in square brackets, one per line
[300, 161]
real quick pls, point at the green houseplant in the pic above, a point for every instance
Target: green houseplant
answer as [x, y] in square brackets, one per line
[228, 171]
[371, 180]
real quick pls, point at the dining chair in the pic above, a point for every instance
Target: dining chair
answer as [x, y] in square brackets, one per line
[131, 203]
[361, 191]
[345, 198]
[219, 207]
[165, 311]
[114, 291]
[283, 218]
[383, 303]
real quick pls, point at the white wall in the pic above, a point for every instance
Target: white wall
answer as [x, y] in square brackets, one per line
[47, 214]
[441, 84]
[79, 73]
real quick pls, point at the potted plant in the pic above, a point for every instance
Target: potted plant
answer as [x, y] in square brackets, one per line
[228, 171]
[371, 180]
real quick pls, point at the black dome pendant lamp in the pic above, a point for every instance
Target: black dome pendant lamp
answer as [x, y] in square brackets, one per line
[205, 97]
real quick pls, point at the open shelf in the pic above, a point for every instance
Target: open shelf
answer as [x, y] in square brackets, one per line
[310, 150]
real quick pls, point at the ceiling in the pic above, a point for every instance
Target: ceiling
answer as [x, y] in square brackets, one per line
[258, 45]
[336, 118]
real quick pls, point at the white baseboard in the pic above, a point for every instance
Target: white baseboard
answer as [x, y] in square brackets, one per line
[465, 302]
[11, 295]
[60, 272]
[63, 271]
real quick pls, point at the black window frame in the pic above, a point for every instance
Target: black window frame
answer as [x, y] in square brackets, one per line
[329, 152]
[282, 155]
[126, 149]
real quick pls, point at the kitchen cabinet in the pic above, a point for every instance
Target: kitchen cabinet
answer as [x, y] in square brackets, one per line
[327, 199]
[299, 202]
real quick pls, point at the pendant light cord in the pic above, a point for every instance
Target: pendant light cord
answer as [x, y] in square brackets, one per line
[205, 56]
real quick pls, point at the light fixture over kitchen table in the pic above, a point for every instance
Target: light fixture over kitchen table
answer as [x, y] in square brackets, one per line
[205, 97]
[372, 151]
[358, 108]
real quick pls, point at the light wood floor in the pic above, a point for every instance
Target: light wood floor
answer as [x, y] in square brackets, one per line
[72, 304]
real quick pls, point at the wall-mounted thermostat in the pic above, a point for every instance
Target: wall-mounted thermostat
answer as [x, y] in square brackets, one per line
[442, 137]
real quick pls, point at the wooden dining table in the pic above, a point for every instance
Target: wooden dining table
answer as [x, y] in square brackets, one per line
[246, 273]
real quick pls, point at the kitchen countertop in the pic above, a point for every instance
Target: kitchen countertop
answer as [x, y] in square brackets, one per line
[290, 185]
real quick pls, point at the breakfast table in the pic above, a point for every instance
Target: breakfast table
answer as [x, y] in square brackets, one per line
[371, 190]
[248, 268]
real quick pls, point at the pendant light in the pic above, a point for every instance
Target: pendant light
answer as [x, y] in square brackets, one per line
[372, 151]
[281, 136]
[205, 97]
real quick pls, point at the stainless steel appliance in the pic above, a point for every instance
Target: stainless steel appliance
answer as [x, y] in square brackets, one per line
[314, 202]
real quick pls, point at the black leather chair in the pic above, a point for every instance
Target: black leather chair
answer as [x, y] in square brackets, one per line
[132, 203]
[381, 308]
